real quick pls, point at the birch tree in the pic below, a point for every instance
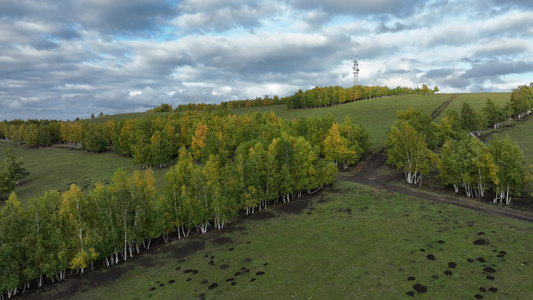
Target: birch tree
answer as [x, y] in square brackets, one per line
[407, 151]
[512, 174]
[142, 191]
[467, 163]
[336, 148]
[200, 201]
[108, 225]
[12, 247]
[74, 214]
[124, 210]
[176, 195]
[493, 114]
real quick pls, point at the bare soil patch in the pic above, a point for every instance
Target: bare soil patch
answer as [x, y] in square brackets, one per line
[186, 248]
[222, 241]
[262, 215]
[296, 206]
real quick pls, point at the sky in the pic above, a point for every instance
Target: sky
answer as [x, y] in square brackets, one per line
[62, 59]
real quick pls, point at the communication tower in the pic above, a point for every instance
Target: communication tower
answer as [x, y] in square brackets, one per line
[355, 69]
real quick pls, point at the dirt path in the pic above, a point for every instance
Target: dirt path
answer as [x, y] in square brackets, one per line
[370, 172]
[441, 108]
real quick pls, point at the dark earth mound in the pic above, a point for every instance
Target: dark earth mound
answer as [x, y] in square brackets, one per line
[489, 270]
[212, 286]
[480, 242]
[420, 288]
[430, 257]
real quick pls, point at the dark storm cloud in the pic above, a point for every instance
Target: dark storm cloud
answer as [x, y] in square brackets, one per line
[498, 68]
[108, 17]
[360, 7]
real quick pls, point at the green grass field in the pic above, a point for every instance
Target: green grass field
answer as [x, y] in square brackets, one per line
[348, 242]
[53, 168]
[478, 100]
[518, 131]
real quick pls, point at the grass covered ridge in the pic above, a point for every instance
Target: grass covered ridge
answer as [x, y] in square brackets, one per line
[348, 242]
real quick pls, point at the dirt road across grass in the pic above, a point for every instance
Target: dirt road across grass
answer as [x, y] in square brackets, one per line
[370, 172]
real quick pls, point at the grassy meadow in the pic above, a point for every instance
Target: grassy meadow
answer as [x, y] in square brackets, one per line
[518, 131]
[347, 242]
[478, 100]
[55, 168]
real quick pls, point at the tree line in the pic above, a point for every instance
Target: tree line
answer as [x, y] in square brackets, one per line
[327, 96]
[227, 166]
[415, 143]
[155, 140]
[230, 104]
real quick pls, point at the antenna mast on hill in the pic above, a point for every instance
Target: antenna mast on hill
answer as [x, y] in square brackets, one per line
[355, 69]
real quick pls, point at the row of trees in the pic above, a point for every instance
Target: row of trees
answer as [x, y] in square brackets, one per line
[155, 140]
[326, 96]
[316, 97]
[464, 161]
[11, 171]
[492, 115]
[57, 232]
[231, 104]
[470, 164]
